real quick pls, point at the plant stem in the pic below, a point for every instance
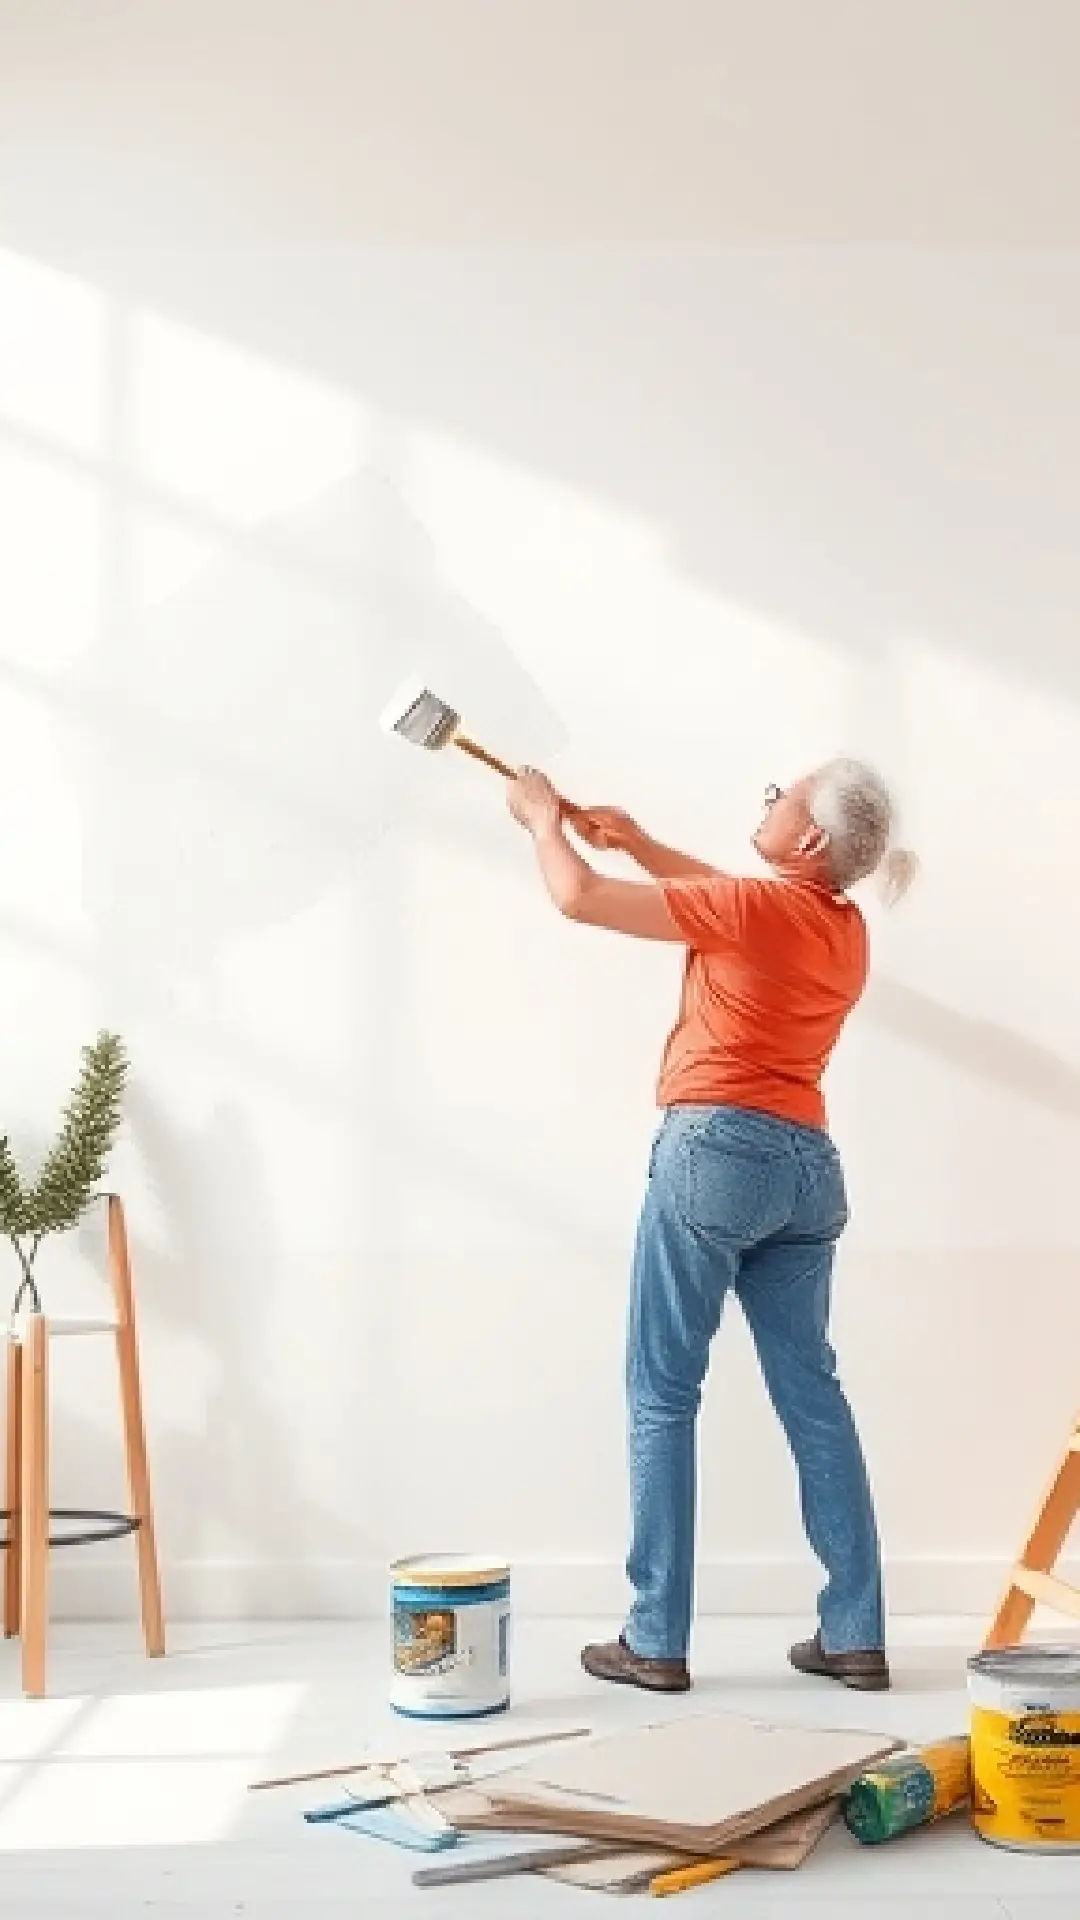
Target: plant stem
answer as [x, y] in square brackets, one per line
[27, 1284]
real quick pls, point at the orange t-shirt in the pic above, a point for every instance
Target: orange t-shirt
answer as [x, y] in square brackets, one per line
[773, 970]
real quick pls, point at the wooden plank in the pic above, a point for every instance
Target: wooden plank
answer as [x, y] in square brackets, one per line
[13, 1485]
[35, 1503]
[694, 1784]
[138, 1471]
[785, 1845]
[373, 1765]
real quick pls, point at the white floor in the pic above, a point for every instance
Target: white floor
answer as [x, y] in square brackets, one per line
[125, 1793]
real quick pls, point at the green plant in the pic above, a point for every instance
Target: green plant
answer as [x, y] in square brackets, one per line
[68, 1179]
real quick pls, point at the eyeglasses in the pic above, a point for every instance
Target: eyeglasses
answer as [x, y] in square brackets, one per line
[773, 794]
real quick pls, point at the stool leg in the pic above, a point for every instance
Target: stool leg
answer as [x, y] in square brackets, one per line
[35, 1503]
[13, 1486]
[138, 1472]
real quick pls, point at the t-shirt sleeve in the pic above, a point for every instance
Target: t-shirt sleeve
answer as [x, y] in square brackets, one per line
[708, 913]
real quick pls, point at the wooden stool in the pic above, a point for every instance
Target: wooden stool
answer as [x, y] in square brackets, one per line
[1032, 1581]
[27, 1468]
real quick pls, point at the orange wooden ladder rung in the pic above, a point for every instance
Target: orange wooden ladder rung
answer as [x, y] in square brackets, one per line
[1033, 1581]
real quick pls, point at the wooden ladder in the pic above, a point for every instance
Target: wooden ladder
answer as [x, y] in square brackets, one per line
[1033, 1581]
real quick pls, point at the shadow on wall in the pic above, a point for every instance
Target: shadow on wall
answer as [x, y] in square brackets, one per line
[855, 444]
[232, 776]
[236, 770]
[247, 1498]
[981, 1047]
[859, 442]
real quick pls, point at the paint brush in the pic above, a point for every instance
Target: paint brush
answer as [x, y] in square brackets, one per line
[419, 716]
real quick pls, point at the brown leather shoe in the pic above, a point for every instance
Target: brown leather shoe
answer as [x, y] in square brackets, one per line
[615, 1661]
[866, 1670]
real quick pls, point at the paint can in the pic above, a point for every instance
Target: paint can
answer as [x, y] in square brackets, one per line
[1025, 1747]
[451, 1636]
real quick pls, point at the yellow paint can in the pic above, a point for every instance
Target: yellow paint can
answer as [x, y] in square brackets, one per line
[1025, 1747]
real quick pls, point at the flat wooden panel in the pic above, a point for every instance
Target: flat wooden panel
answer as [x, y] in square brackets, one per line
[35, 1503]
[608, 1867]
[696, 1782]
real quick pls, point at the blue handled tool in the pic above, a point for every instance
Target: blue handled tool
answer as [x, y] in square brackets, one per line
[383, 1816]
[400, 1829]
[356, 1803]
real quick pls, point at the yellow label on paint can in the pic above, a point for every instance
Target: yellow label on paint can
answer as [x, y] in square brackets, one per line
[1025, 1748]
[1026, 1777]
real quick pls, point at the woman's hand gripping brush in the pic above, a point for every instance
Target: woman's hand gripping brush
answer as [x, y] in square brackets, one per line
[577, 890]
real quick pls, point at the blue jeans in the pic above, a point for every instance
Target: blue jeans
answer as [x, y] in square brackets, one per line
[741, 1203]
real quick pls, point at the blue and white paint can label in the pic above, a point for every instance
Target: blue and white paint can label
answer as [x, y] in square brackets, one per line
[451, 1615]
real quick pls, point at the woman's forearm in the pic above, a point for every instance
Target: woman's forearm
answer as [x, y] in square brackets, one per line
[579, 892]
[567, 876]
[667, 863]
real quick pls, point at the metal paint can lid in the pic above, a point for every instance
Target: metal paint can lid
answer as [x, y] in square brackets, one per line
[1044, 1667]
[449, 1570]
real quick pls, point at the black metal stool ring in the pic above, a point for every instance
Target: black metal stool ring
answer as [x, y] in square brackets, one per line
[110, 1526]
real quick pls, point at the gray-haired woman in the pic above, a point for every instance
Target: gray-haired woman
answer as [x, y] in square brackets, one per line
[746, 1194]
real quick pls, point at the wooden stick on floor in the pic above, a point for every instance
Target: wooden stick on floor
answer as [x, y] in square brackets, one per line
[35, 1502]
[138, 1473]
[13, 1485]
[374, 1765]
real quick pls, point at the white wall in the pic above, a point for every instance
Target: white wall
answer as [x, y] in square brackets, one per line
[620, 375]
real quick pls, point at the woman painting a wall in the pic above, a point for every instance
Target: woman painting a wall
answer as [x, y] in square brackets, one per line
[746, 1193]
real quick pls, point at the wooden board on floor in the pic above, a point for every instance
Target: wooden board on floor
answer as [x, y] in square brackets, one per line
[785, 1845]
[692, 1784]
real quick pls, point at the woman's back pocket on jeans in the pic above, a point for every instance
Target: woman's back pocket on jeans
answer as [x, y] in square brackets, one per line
[727, 1188]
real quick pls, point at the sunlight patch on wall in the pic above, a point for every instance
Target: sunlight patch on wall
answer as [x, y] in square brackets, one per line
[50, 579]
[231, 432]
[573, 582]
[639, 658]
[41, 878]
[992, 803]
[165, 555]
[52, 354]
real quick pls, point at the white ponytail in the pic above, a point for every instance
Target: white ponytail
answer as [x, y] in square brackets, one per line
[896, 873]
[854, 807]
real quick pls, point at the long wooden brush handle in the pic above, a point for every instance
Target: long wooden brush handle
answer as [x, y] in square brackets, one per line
[476, 752]
[481, 753]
